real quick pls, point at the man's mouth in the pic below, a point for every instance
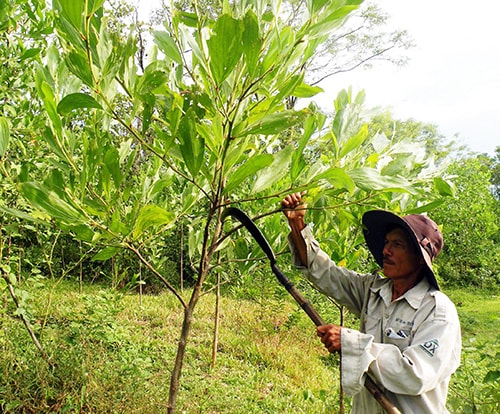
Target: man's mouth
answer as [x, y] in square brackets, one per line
[387, 261]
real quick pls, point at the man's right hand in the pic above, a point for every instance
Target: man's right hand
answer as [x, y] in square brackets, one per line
[293, 207]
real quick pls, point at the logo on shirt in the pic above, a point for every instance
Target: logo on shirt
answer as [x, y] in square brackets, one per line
[407, 323]
[430, 347]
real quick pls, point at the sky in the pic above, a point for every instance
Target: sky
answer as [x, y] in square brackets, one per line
[453, 77]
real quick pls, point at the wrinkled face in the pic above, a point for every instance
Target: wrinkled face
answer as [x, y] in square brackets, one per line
[401, 261]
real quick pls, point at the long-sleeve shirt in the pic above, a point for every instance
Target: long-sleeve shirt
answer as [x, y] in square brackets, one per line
[409, 346]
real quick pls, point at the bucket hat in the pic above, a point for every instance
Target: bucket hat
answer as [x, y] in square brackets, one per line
[424, 233]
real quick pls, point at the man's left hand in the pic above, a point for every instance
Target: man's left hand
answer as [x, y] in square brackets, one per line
[330, 336]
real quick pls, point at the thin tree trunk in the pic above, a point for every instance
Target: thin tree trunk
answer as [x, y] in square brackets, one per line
[215, 342]
[81, 269]
[140, 284]
[181, 259]
[26, 322]
[206, 256]
[181, 351]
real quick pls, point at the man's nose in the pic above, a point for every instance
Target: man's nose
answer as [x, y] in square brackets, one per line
[386, 251]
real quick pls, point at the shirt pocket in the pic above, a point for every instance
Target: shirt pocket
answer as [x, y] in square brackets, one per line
[397, 336]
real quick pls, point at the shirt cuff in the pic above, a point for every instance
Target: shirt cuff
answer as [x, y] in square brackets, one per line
[356, 359]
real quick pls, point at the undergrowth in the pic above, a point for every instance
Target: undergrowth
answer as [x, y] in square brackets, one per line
[112, 352]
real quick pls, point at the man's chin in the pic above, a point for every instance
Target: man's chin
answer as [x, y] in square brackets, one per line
[387, 272]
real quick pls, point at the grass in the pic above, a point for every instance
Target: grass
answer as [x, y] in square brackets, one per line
[115, 356]
[114, 353]
[475, 388]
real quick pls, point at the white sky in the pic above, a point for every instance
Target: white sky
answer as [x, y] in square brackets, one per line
[453, 77]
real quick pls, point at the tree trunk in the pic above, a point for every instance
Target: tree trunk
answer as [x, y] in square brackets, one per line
[179, 358]
[216, 322]
[181, 259]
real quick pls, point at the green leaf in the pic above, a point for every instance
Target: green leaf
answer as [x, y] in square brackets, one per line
[46, 93]
[29, 53]
[491, 376]
[252, 43]
[117, 224]
[19, 214]
[75, 101]
[72, 10]
[275, 172]
[338, 178]
[273, 123]
[225, 47]
[106, 253]
[328, 22]
[112, 162]
[249, 168]
[94, 5]
[167, 45]
[286, 89]
[192, 146]
[188, 19]
[4, 136]
[445, 188]
[298, 161]
[152, 215]
[355, 141]
[151, 80]
[80, 231]
[189, 199]
[314, 6]
[51, 140]
[306, 91]
[427, 207]
[369, 179]
[78, 65]
[49, 202]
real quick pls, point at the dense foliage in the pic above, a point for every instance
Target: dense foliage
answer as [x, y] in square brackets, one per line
[471, 255]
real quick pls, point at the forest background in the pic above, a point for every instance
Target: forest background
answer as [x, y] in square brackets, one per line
[121, 144]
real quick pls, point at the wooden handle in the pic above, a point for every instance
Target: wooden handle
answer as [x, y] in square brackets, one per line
[379, 395]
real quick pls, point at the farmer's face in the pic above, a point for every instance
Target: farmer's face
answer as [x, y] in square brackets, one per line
[400, 259]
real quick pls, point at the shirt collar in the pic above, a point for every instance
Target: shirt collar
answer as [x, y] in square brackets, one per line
[414, 296]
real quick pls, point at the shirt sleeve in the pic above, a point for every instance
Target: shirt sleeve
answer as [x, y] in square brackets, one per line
[432, 356]
[347, 287]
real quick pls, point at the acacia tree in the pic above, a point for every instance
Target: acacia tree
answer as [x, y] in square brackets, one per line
[132, 154]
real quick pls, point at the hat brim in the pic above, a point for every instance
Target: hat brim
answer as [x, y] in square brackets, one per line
[375, 224]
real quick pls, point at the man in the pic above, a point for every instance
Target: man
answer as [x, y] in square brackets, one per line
[409, 339]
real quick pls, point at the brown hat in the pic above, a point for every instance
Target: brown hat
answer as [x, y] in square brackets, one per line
[423, 232]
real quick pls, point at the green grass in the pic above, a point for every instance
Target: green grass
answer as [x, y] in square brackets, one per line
[114, 354]
[475, 388]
